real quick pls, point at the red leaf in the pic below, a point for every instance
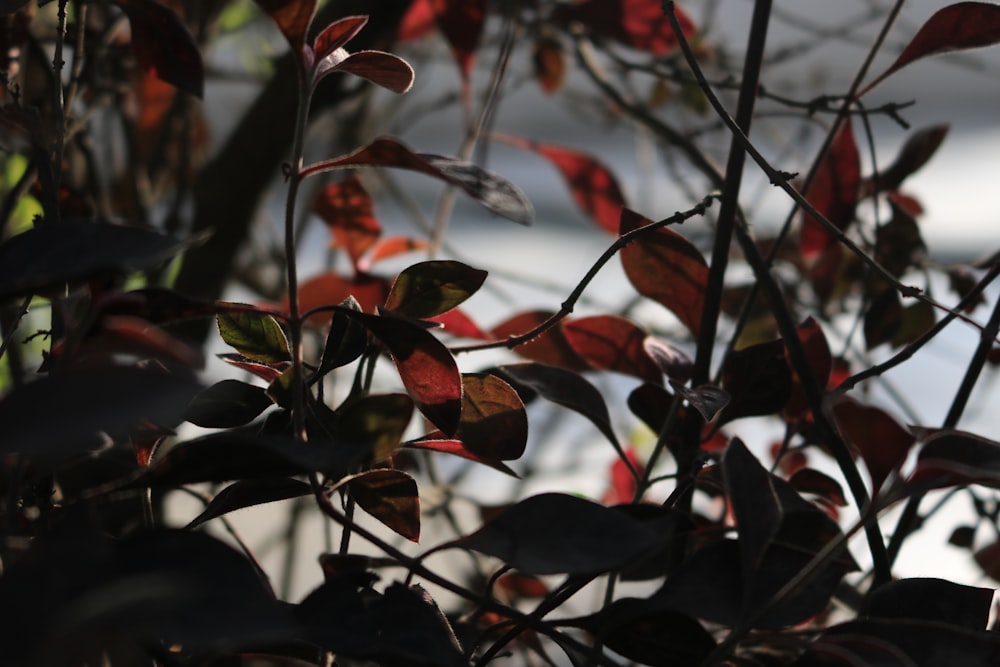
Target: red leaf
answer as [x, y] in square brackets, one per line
[460, 325]
[347, 209]
[834, 192]
[550, 348]
[458, 448]
[337, 35]
[418, 20]
[330, 288]
[523, 585]
[391, 497]
[392, 246]
[293, 18]
[461, 23]
[494, 424]
[163, 45]
[963, 25]
[880, 440]
[640, 24]
[594, 187]
[549, 59]
[817, 351]
[622, 486]
[269, 372]
[613, 343]
[663, 265]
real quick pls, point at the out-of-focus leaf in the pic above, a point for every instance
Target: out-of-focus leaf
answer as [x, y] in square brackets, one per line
[460, 325]
[834, 192]
[164, 46]
[329, 288]
[817, 351]
[392, 246]
[663, 265]
[918, 318]
[434, 287]
[899, 244]
[248, 493]
[758, 380]
[497, 194]
[458, 448]
[707, 399]
[566, 388]
[49, 256]
[622, 482]
[461, 23]
[293, 18]
[391, 497]
[932, 600]
[963, 537]
[347, 209]
[883, 319]
[880, 440]
[523, 585]
[956, 458]
[11, 6]
[346, 341]
[650, 403]
[640, 24]
[809, 480]
[60, 417]
[426, 367]
[988, 559]
[376, 422]
[256, 335]
[963, 25]
[917, 150]
[157, 305]
[549, 60]
[556, 533]
[226, 404]
[549, 348]
[612, 343]
[594, 187]
[672, 361]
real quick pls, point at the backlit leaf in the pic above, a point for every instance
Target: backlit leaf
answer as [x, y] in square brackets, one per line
[256, 335]
[248, 493]
[497, 194]
[556, 533]
[264, 371]
[834, 192]
[381, 68]
[817, 351]
[391, 246]
[612, 343]
[758, 379]
[293, 18]
[391, 497]
[434, 287]
[622, 482]
[880, 440]
[663, 265]
[957, 458]
[963, 25]
[376, 422]
[226, 404]
[458, 448]
[640, 24]
[460, 325]
[494, 424]
[330, 288]
[164, 46]
[346, 341]
[549, 348]
[347, 209]
[337, 35]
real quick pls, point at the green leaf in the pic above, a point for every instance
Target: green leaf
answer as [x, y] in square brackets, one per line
[432, 288]
[377, 422]
[254, 334]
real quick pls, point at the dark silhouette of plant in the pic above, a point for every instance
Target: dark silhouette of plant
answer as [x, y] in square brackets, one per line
[121, 228]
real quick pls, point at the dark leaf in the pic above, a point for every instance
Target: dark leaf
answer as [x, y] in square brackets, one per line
[267, 372]
[612, 343]
[434, 287]
[663, 265]
[11, 6]
[673, 362]
[817, 351]
[549, 348]
[376, 422]
[164, 46]
[567, 389]
[458, 448]
[758, 380]
[227, 403]
[963, 25]
[871, 432]
[640, 24]
[918, 319]
[917, 150]
[426, 367]
[809, 480]
[555, 533]
[248, 493]
[346, 341]
[347, 209]
[391, 497]
[381, 68]
[932, 600]
[337, 35]
[254, 334]
[523, 585]
[834, 193]
[461, 23]
[956, 458]
[494, 423]
[549, 60]
[707, 399]
[894, 642]
[495, 193]
[988, 558]
[157, 305]
[49, 256]
[293, 18]
[883, 319]
[963, 537]
[898, 243]
[594, 187]
[112, 399]
[651, 404]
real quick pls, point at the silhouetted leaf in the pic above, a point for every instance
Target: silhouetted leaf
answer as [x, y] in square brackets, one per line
[917, 150]
[957, 458]
[157, 305]
[932, 600]
[345, 342]
[898, 243]
[227, 403]
[248, 493]
[963, 537]
[663, 265]
[347, 209]
[707, 399]
[495, 193]
[11, 6]
[640, 24]
[48, 256]
[255, 335]
[817, 351]
[918, 318]
[672, 361]
[809, 480]
[883, 319]
[612, 343]
[458, 448]
[963, 25]
[376, 421]
[426, 367]
[834, 192]
[880, 440]
[594, 187]
[293, 18]
[549, 60]
[565, 388]
[758, 380]
[59, 417]
[651, 404]
[549, 348]
[494, 424]
[391, 497]
[164, 46]
[555, 533]
[434, 287]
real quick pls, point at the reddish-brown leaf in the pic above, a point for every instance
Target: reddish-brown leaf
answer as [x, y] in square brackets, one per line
[330, 288]
[613, 343]
[640, 24]
[391, 246]
[622, 484]
[549, 348]
[880, 440]
[494, 424]
[381, 68]
[461, 23]
[523, 585]
[809, 480]
[427, 289]
[956, 458]
[758, 380]
[337, 35]
[268, 372]
[549, 59]
[163, 45]
[418, 21]
[458, 448]
[347, 209]
[663, 265]
[460, 325]
[834, 192]
[963, 25]
[883, 319]
[593, 186]
[293, 18]
[391, 497]
[917, 150]
[988, 558]
[818, 355]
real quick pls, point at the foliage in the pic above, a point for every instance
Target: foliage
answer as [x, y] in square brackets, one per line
[344, 393]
